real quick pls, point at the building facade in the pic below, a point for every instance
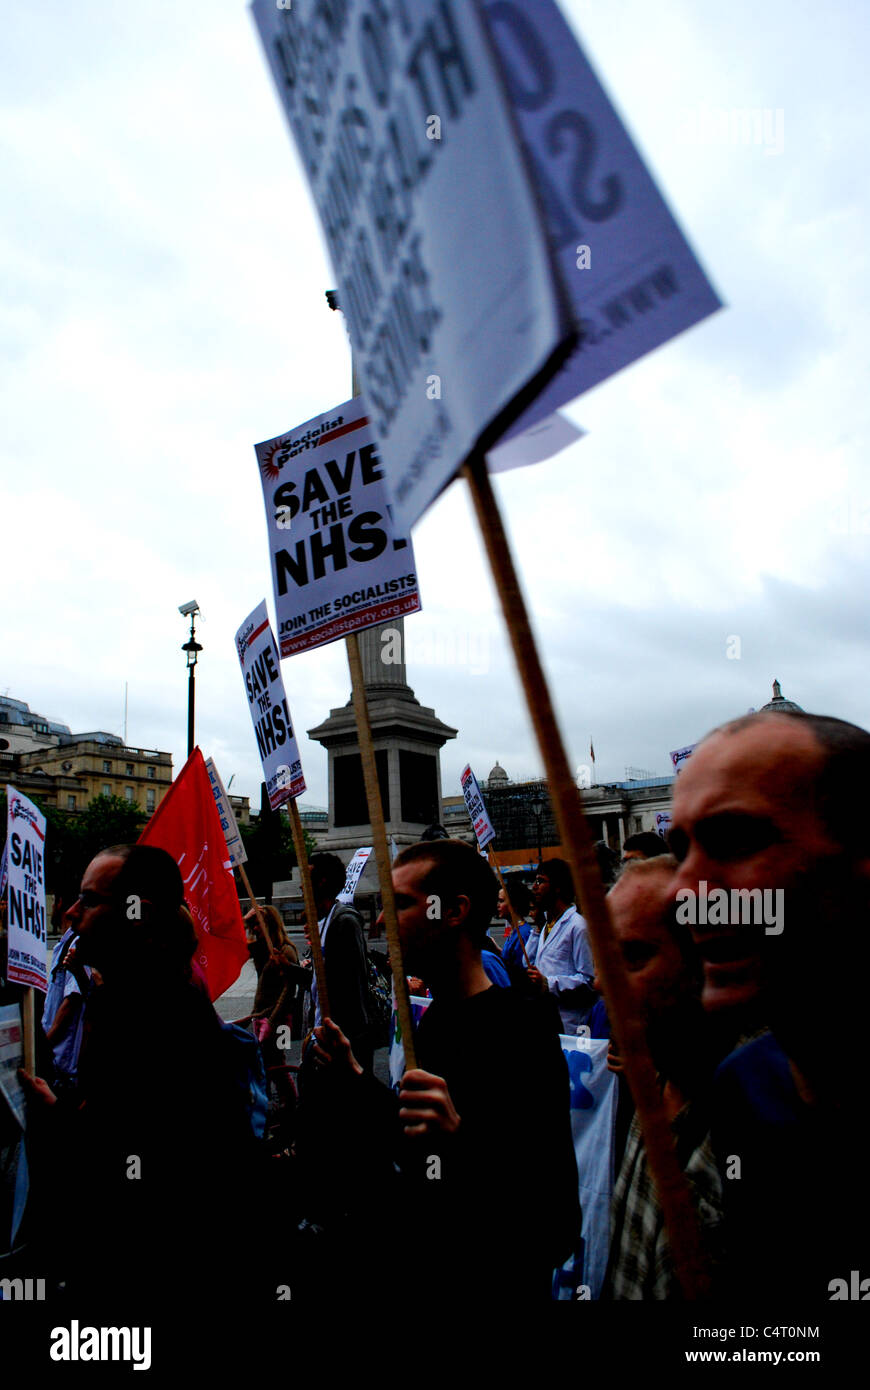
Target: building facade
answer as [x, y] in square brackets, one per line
[524, 824]
[43, 758]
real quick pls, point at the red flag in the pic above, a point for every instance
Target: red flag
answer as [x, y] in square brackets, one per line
[187, 824]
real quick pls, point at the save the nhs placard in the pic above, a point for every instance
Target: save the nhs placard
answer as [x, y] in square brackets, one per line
[25, 838]
[264, 687]
[338, 563]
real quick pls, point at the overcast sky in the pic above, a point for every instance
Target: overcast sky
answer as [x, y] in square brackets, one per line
[163, 309]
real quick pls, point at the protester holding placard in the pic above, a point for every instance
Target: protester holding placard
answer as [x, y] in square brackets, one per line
[487, 1106]
[770, 823]
[279, 974]
[664, 971]
[342, 936]
[157, 1133]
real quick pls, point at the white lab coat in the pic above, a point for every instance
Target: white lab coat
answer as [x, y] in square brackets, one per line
[565, 959]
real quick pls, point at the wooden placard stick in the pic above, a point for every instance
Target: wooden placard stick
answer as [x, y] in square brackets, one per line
[261, 916]
[310, 907]
[382, 852]
[672, 1189]
[514, 919]
[28, 1020]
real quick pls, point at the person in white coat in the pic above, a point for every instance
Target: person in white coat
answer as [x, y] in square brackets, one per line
[559, 951]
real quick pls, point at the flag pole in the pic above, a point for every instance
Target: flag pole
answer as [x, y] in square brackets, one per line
[514, 920]
[310, 906]
[672, 1189]
[28, 1020]
[379, 840]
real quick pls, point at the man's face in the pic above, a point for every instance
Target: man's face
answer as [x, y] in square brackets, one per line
[542, 892]
[658, 975]
[423, 933]
[91, 913]
[744, 816]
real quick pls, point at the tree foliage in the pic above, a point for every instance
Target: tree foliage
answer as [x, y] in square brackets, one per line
[72, 838]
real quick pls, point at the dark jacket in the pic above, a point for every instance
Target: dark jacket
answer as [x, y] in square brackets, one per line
[344, 956]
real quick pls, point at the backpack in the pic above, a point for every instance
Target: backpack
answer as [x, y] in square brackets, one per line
[379, 1005]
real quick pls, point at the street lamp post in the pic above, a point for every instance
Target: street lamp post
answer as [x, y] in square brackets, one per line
[537, 812]
[191, 648]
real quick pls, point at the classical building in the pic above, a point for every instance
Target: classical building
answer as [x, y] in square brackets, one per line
[779, 702]
[523, 820]
[525, 828]
[42, 757]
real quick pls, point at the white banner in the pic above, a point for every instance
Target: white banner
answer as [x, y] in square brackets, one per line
[476, 810]
[681, 755]
[354, 874]
[442, 260]
[337, 563]
[663, 823]
[25, 836]
[594, 1095]
[235, 844]
[264, 686]
[633, 279]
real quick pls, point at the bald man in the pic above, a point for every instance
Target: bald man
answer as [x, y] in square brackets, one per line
[776, 802]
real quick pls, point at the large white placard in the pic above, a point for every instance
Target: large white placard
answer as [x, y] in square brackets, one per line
[457, 316]
[477, 811]
[25, 836]
[337, 563]
[633, 279]
[264, 687]
[235, 844]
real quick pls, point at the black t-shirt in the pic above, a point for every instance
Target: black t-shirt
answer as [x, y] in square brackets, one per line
[506, 1201]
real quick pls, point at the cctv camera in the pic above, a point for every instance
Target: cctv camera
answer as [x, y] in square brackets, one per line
[186, 608]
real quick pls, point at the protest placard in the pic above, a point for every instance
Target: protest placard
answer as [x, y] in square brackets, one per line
[457, 315]
[264, 686]
[663, 823]
[354, 874]
[682, 755]
[338, 565]
[25, 836]
[477, 812]
[633, 279]
[235, 844]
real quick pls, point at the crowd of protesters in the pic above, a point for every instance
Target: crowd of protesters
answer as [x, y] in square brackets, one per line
[146, 1168]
